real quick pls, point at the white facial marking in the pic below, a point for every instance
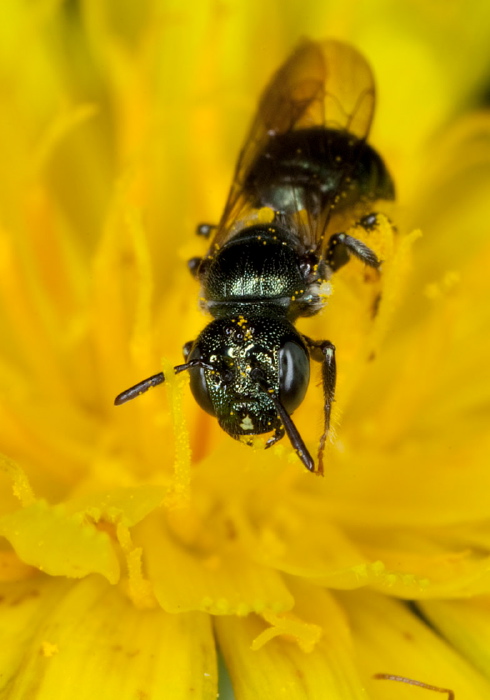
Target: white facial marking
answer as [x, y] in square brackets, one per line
[247, 423]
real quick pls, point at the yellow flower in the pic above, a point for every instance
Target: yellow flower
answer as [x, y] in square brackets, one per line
[138, 540]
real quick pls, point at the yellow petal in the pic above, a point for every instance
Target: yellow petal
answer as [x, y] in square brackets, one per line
[126, 505]
[296, 535]
[85, 640]
[466, 624]
[58, 543]
[390, 638]
[280, 669]
[222, 582]
[452, 188]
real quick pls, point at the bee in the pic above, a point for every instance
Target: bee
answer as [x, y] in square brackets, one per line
[306, 164]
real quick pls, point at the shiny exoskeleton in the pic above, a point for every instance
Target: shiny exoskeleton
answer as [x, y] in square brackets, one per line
[307, 165]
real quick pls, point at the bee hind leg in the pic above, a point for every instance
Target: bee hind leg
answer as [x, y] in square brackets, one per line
[369, 221]
[340, 248]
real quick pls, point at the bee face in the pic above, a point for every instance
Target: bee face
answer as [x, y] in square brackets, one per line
[235, 355]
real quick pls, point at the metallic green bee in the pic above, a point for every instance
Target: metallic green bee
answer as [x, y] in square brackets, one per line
[307, 162]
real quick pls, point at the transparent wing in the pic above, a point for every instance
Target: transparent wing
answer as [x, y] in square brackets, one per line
[322, 84]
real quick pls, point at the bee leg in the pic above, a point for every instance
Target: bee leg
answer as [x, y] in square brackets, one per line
[198, 266]
[278, 435]
[194, 264]
[341, 246]
[186, 350]
[205, 230]
[368, 222]
[324, 351]
[371, 221]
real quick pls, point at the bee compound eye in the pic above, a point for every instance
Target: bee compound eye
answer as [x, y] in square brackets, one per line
[199, 385]
[294, 375]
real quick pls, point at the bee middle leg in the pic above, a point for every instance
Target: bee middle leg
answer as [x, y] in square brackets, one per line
[205, 230]
[197, 267]
[324, 351]
[194, 265]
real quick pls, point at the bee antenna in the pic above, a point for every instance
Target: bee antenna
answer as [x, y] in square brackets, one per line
[191, 364]
[290, 428]
[155, 380]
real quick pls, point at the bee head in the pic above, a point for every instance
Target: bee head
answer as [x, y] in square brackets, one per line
[246, 367]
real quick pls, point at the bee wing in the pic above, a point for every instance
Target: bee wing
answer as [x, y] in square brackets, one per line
[325, 84]
[349, 97]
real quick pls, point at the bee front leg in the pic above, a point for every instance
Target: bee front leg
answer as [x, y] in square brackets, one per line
[324, 351]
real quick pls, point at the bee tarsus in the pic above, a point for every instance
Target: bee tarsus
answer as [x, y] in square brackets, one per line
[205, 230]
